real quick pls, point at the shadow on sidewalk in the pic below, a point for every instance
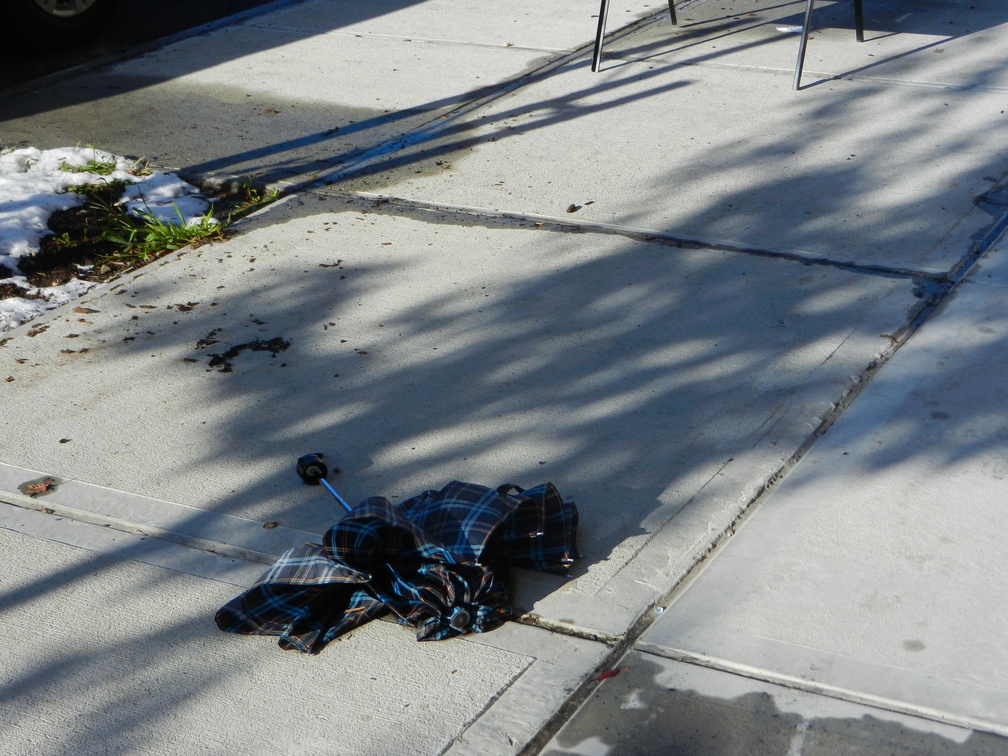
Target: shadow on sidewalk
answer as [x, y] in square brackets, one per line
[634, 375]
[645, 710]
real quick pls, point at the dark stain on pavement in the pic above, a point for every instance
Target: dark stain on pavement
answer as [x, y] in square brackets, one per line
[223, 361]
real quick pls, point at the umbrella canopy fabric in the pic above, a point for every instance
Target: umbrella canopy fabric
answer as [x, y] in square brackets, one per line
[438, 562]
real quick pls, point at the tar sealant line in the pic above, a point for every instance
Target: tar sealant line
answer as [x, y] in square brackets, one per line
[978, 250]
[950, 280]
[818, 688]
[646, 235]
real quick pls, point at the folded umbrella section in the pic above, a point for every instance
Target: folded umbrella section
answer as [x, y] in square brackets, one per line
[438, 562]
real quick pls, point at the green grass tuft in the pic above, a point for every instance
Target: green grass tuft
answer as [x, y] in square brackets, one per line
[102, 191]
[142, 237]
[98, 167]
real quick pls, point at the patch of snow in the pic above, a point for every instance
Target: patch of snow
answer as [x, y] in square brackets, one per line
[34, 184]
[165, 197]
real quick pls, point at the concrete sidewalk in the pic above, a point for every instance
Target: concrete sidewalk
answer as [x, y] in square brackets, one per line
[656, 287]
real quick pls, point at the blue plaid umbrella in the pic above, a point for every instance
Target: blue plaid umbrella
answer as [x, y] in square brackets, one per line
[437, 562]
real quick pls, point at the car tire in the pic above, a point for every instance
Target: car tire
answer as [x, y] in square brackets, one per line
[64, 21]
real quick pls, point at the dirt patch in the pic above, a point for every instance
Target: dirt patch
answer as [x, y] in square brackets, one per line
[76, 255]
[73, 250]
[10, 290]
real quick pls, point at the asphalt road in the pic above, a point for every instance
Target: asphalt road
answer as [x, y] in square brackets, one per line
[134, 24]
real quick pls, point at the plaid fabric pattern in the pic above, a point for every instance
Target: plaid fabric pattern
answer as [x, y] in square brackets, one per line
[437, 562]
[305, 598]
[540, 533]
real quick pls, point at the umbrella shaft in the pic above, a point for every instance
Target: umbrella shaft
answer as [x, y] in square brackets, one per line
[332, 490]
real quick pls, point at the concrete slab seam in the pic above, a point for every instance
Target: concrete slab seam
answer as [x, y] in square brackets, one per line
[854, 75]
[833, 78]
[134, 528]
[295, 32]
[817, 688]
[491, 702]
[978, 250]
[531, 619]
[640, 234]
[576, 699]
[910, 83]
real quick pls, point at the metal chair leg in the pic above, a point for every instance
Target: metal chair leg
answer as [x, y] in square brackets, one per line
[603, 12]
[858, 34]
[597, 55]
[801, 46]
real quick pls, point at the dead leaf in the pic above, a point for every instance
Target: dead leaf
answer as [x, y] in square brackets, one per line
[84, 310]
[37, 487]
[270, 525]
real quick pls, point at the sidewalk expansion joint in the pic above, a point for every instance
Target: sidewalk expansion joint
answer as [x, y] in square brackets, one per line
[982, 246]
[492, 217]
[458, 739]
[532, 619]
[295, 31]
[143, 530]
[817, 688]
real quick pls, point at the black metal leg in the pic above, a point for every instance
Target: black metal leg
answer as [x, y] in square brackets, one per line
[858, 21]
[597, 55]
[802, 44]
[603, 12]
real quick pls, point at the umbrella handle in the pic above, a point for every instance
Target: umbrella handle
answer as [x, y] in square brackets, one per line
[312, 470]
